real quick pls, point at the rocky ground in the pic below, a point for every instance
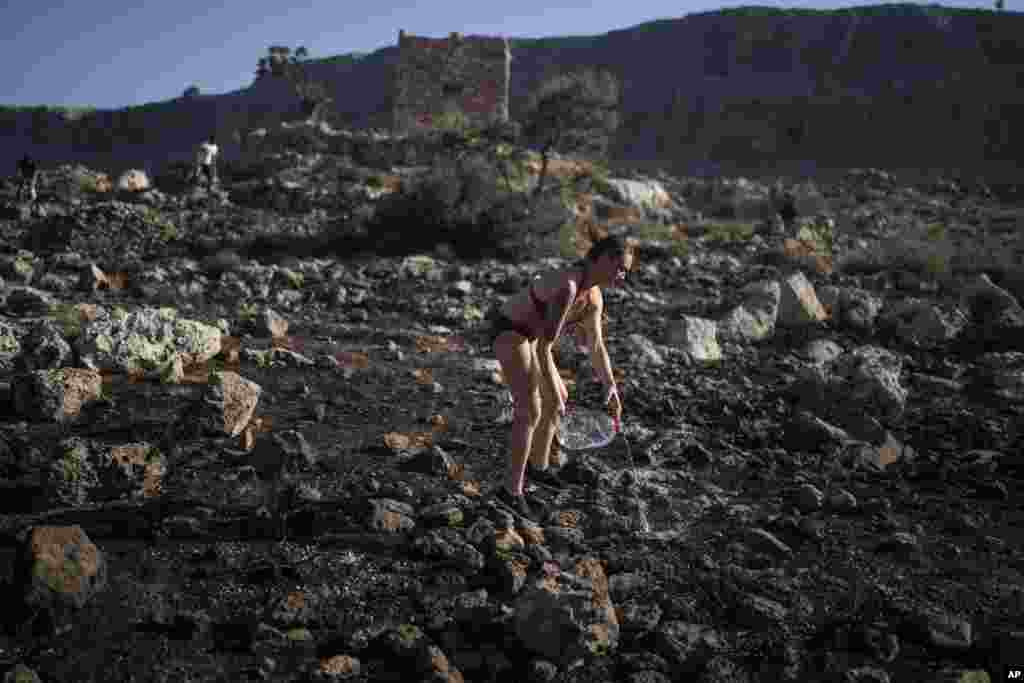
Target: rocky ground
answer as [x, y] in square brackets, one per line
[224, 460]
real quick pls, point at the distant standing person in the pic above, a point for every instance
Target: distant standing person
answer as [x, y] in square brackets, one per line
[29, 173]
[785, 205]
[788, 210]
[206, 162]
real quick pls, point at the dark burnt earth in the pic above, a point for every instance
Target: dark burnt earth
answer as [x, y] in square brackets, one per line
[825, 448]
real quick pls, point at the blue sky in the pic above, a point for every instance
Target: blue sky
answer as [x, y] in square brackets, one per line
[113, 54]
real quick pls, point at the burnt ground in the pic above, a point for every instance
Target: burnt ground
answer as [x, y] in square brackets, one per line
[709, 439]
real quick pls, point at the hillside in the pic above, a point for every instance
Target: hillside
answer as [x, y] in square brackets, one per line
[744, 87]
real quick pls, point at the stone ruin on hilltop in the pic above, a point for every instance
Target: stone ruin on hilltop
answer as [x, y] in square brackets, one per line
[459, 78]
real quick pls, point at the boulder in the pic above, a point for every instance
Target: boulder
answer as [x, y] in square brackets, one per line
[133, 180]
[22, 674]
[857, 309]
[640, 194]
[1000, 375]
[44, 349]
[696, 336]
[286, 450]
[755, 318]
[145, 342]
[685, 646]
[566, 615]
[996, 318]
[132, 470]
[983, 297]
[390, 516]
[862, 383]
[227, 404]
[798, 303]
[55, 395]
[27, 302]
[10, 344]
[870, 376]
[917, 321]
[77, 471]
[20, 268]
[61, 568]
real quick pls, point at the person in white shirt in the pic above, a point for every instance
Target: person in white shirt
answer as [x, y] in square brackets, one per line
[206, 162]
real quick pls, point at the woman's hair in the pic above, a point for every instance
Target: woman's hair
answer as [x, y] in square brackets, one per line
[594, 242]
[613, 245]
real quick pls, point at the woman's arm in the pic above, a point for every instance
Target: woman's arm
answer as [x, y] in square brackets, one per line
[554, 320]
[595, 339]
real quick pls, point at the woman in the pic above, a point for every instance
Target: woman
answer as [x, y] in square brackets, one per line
[527, 327]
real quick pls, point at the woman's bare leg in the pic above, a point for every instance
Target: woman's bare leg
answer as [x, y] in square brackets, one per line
[516, 357]
[547, 426]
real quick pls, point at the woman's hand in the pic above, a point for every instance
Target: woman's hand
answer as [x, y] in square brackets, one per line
[614, 403]
[563, 391]
[560, 393]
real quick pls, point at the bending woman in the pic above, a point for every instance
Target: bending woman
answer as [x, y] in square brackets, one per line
[527, 327]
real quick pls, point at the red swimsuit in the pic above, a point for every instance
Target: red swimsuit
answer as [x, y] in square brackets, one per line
[503, 322]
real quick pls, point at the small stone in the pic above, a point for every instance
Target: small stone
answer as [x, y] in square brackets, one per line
[947, 631]
[276, 325]
[764, 541]
[542, 671]
[21, 674]
[843, 501]
[867, 674]
[340, 666]
[809, 498]
[900, 541]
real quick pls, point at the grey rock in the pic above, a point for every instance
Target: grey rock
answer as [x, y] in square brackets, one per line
[798, 303]
[45, 348]
[759, 613]
[858, 309]
[569, 622]
[60, 568]
[435, 461]
[687, 647]
[55, 395]
[391, 516]
[867, 674]
[806, 432]
[917, 321]
[842, 501]
[25, 302]
[448, 548]
[638, 619]
[821, 351]
[696, 336]
[625, 584]
[899, 542]
[648, 676]
[808, 498]
[542, 671]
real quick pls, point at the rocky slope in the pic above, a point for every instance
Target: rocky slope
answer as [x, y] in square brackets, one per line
[224, 467]
[747, 89]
